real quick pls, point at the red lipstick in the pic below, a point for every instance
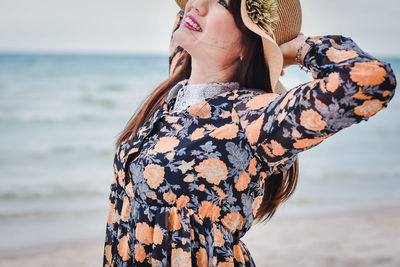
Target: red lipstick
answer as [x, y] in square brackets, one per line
[191, 23]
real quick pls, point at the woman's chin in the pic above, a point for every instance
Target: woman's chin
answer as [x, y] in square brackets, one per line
[184, 38]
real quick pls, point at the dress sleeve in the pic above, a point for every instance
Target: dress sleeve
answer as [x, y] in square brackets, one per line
[175, 51]
[349, 86]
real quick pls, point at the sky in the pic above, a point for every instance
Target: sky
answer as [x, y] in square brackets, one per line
[132, 26]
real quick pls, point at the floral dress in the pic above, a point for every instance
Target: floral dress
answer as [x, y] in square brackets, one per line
[188, 185]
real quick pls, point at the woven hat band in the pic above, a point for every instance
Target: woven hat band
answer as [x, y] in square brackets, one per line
[290, 20]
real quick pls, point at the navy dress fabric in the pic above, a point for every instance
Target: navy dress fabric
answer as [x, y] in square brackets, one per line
[187, 186]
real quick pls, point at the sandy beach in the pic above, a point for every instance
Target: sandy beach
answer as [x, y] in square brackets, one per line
[356, 238]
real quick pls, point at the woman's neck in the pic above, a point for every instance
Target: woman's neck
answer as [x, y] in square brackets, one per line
[212, 73]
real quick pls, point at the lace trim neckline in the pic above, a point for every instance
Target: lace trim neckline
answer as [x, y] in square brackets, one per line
[187, 95]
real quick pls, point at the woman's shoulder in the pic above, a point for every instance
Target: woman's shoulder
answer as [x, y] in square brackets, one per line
[245, 95]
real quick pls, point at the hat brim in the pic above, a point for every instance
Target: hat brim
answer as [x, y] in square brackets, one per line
[181, 3]
[272, 53]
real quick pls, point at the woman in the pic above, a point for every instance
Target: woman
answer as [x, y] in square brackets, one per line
[206, 155]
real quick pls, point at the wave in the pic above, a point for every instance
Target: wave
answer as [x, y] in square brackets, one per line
[51, 213]
[75, 151]
[356, 173]
[49, 118]
[57, 194]
[115, 88]
[118, 118]
[100, 102]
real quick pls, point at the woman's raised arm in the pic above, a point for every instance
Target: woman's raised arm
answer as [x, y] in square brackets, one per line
[349, 86]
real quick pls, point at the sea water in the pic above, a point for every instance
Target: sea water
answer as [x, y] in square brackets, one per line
[60, 116]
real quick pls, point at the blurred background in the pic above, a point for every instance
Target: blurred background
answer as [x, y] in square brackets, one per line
[72, 73]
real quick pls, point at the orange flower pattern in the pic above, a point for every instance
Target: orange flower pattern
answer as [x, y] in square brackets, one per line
[192, 208]
[213, 169]
[154, 175]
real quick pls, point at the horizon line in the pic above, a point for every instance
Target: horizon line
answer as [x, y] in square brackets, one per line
[121, 53]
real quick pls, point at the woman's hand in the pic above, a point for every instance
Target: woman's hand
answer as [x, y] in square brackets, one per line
[289, 50]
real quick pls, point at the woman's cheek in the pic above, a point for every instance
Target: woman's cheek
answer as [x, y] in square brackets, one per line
[226, 30]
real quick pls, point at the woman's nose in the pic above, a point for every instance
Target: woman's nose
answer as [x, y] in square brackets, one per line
[200, 6]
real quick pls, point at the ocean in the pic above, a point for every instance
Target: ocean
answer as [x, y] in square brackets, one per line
[60, 115]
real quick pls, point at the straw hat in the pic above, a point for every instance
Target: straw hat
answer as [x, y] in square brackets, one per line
[276, 22]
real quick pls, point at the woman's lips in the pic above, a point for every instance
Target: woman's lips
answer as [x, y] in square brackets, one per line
[192, 24]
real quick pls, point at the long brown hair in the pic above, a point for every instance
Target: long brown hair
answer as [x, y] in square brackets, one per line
[252, 73]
